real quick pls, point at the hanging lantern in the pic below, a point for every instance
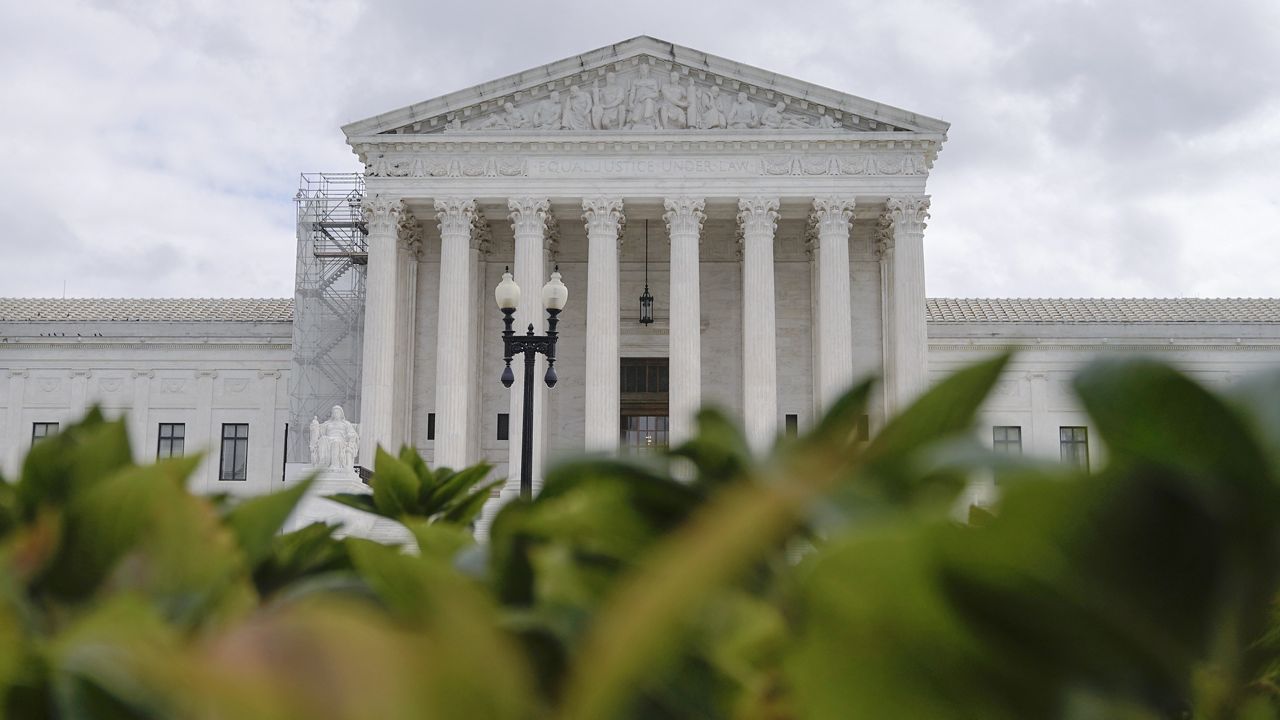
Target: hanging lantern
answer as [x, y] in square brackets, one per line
[646, 298]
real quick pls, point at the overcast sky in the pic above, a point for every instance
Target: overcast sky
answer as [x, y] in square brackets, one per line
[1108, 148]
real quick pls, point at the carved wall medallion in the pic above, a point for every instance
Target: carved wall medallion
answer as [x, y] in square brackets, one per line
[50, 385]
[172, 386]
[110, 385]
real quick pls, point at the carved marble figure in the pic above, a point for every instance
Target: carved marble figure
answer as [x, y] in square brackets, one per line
[643, 101]
[775, 118]
[673, 112]
[334, 442]
[547, 116]
[609, 111]
[710, 114]
[577, 111]
[743, 114]
[512, 118]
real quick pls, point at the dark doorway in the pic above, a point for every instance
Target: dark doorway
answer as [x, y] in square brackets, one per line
[643, 404]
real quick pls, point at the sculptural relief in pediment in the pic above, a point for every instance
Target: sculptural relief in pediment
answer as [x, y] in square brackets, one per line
[641, 96]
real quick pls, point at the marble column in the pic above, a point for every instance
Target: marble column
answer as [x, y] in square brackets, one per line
[407, 250]
[529, 219]
[603, 218]
[910, 335]
[377, 383]
[829, 224]
[684, 217]
[455, 332]
[758, 218]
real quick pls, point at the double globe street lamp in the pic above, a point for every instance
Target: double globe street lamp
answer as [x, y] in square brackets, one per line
[507, 295]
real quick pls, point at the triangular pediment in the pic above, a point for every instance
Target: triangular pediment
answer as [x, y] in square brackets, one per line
[644, 85]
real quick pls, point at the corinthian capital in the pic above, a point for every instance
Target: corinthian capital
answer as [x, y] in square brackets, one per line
[381, 213]
[455, 215]
[908, 212]
[529, 215]
[684, 215]
[829, 216]
[603, 215]
[758, 215]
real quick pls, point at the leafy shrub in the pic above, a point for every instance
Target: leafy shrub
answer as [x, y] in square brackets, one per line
[828, 580]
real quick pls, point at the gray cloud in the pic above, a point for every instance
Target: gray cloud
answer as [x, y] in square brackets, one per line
[1117, 148]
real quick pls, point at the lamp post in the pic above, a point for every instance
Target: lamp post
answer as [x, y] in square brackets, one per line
[507, 295]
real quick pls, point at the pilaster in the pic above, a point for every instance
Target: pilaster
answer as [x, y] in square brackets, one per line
[204, 429]
[18, 432]
[758, 221]
[603, 218]
[139, 416]
[684, 217]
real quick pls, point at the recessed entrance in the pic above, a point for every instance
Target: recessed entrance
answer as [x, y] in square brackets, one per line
[643, 405]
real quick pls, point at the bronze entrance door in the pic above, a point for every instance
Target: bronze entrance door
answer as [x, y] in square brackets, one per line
[643, 404]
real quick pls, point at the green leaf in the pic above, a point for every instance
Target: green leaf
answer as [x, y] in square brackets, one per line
[116, 661]
[74, 459]
[359, 501]
[296, 556]
[109, 519]
[947, 410]
[438, 498]
[395, 487]
[255, 521]
[465, 511]
[440, 541]
[718, 449]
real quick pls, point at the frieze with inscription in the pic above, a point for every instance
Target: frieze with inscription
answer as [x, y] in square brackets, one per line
[865, 164]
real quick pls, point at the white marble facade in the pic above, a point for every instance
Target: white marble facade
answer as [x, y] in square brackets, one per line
[769, 202]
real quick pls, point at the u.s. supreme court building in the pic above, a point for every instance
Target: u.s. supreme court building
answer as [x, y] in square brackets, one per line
[779, 226]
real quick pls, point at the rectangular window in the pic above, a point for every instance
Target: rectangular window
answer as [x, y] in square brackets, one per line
[1007, 439]
[1073, 443]
[172, 442]
[43, 430]
[431, 426]
[504, 426]
[793, 425]
[235, 452]
[644, 433]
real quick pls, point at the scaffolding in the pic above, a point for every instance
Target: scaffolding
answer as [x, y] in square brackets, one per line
[328, 306]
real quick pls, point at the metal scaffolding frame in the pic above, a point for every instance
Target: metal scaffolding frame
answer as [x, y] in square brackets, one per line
[328, 307]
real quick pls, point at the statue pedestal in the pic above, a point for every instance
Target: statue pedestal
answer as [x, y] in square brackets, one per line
[314, 508]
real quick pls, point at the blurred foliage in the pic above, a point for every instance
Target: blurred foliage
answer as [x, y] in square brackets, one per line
[832, 578]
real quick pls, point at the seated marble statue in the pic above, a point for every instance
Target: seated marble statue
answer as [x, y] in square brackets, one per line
[334, 442]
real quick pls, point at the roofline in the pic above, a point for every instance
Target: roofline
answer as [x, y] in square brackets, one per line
[625, 50]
